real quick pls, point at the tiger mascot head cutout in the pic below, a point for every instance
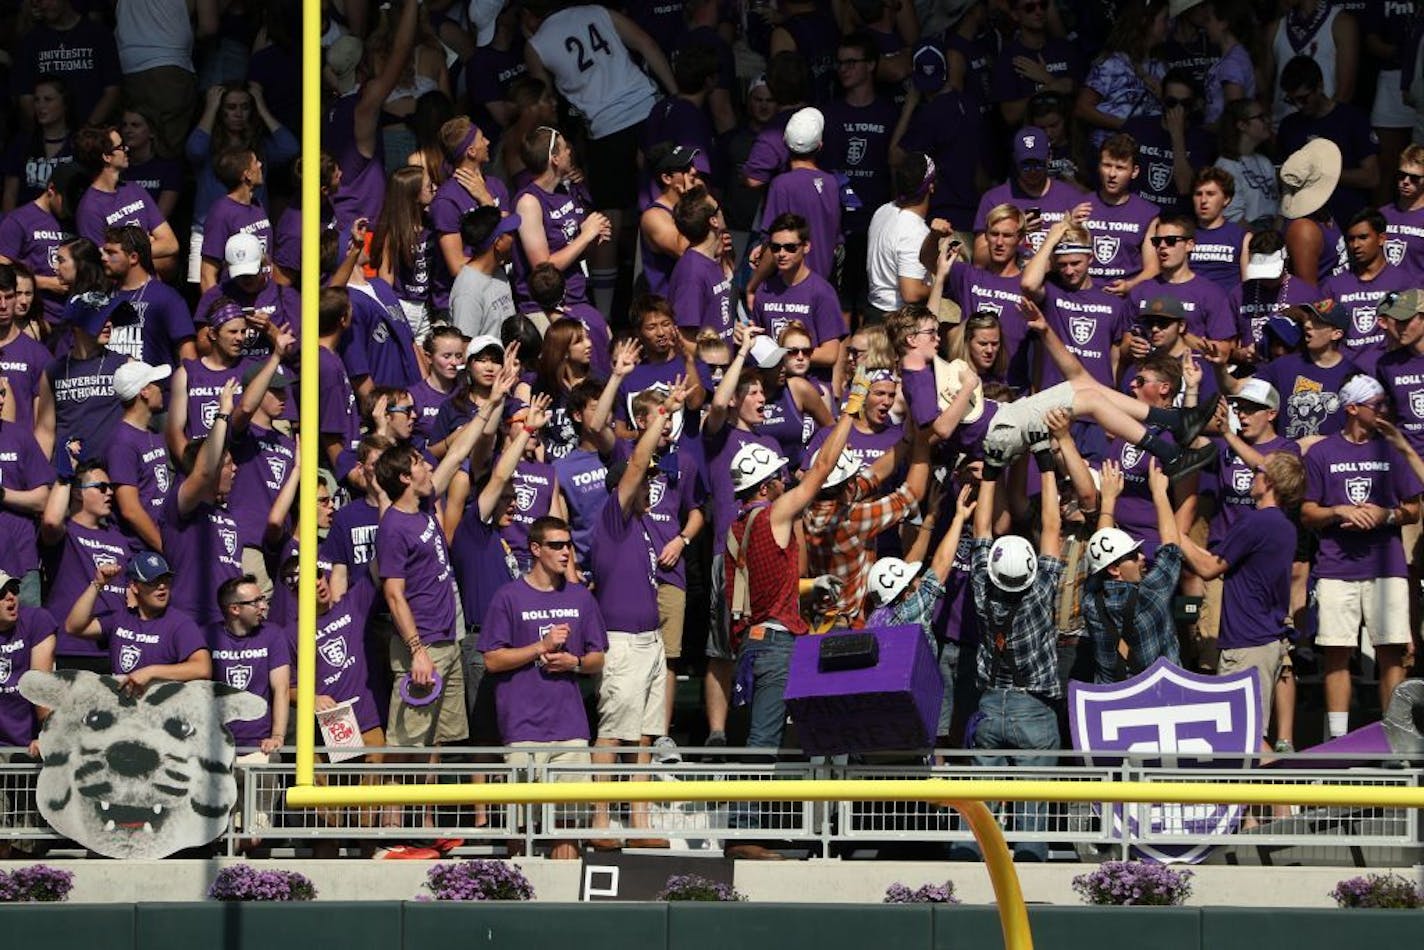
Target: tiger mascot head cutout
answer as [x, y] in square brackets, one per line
[136, 776]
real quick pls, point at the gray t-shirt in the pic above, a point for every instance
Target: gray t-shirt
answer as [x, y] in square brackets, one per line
[479, 302]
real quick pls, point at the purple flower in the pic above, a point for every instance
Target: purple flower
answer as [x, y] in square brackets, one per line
[244, 882]
[898, 893]
[478, 880]
[1378, 891]
[1134, 882]
[37, 882]
[695, 887]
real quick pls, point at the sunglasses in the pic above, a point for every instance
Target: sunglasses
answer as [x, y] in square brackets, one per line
[554, 545]
[259, 599]
[1140, 380]
[391, 410]
[1172, 102]
[102, 486]
[1158, 323]
[1375, 405]
[854, 352]
[842, 63]
[716, 366]
[1410, 177]
[798, 351]
[788, 248]
[1247, 408]
[1168, 240]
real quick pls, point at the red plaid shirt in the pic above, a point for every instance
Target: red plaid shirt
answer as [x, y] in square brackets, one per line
[839, 538]
[773, 576]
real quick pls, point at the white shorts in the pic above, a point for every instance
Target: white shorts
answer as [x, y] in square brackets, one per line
[632, 688]
[1389, 111]
[1382, 605]
[1013, 421]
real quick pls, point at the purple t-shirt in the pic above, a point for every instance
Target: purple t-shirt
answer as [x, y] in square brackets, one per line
[203, 387]
[136, 642]
[1089, 322]
[352, 538]
[265, 458]
[449, 205]
[18, 721]
[1058, 57]
[163, 322]
[1255, 302]
[976, 289]
[227, 217]
[341, 670]
[1255, 598]
[129, 204]
[784, 422]
[1310, 401]
[813, 302]
[139, 457]
[22, 467]
[856, 144]
[1053, 205]
[581, 475]
[32, 236]
[23, 361]
[362, 192]
[768, 155]
[85, 407]
[625, 563]
[84, 56]
[949, 129]
[379, 343]
[282, 305]
[79, 554]
[411, 546]
[156, 175]
[534, 487]
[816, 196]
[922, 401]
[205, 549]
[1401, 372]
[1404, 239]
[1156, 158]
[1208, 314]
[1341, 472]
[483, 562]
[701, 294]
[1119, 232]
[1217, 254]
[1365, 341]
[247, 663]
[338, 414]
[533, 704]
[1232, 484]
[1135, 512]
[672, 497]
[562, 214]
[600, 361]
[861, 447]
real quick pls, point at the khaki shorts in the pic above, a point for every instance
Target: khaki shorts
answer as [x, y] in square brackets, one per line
[443, 721]
[632, 687]
[536, 755]
[254, 562]
[1267, 660]
[1381, 604]
[672, 609]
[1013, 421]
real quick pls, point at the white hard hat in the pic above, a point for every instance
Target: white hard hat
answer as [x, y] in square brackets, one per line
[847, 466]
[1013, 563]
[889, 577]
[753, 464]
[1107, 546]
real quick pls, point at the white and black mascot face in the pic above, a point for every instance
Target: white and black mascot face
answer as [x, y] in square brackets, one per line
[136, 776]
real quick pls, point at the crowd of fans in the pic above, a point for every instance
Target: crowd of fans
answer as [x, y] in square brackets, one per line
[1079, 334]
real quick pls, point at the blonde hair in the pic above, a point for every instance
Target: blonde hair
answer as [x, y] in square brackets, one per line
[1003, 212]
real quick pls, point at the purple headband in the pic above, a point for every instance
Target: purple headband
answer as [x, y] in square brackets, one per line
[880, 376]
[222, 314]
[423, 698]
[453, 157]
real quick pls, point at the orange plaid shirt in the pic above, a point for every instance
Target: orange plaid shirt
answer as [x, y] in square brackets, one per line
[839, 541]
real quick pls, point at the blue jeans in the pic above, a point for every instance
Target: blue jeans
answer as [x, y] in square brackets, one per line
[771, 661]
[1014, 719]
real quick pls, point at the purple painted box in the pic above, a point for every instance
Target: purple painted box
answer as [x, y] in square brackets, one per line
[890, 707]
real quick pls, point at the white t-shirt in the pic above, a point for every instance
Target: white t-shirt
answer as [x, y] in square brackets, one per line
[893, 251]
[480, 303]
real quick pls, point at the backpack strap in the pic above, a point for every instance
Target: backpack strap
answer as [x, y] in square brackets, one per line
[737, 551]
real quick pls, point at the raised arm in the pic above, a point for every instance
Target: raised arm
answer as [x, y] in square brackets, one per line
[943, 559]
[1161, 488]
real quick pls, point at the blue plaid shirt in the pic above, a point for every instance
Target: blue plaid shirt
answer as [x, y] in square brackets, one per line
[1154, 631]
[1026, 620]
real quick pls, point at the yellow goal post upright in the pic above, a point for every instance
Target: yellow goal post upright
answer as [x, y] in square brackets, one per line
[967, 796]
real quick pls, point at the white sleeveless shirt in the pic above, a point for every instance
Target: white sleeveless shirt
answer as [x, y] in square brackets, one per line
[592, 69]
[1320, 47]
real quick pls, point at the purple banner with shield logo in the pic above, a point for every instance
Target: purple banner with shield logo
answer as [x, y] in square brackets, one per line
[1170, 717]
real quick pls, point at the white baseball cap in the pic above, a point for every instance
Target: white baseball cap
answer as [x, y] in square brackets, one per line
[889, 577]
[481, 343]
[243, 253]
[1266, 266]
[130, 378]
[1258, 392]
[804, 131]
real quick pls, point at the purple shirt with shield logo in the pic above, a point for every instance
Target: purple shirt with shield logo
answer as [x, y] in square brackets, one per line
[205, 549]
[227, 217]
[1401, 372]
[561, 213]
[1090, 323]
[411, 546]
[534, 486]
[22, 362]
[534, 704]
[1135, 512]
[976, 289]
[1341, 472]
[1404, 239]
[129, 204]
[32, 236]
[74, 563]
[1156, 156]
[816, 196]
[204, 386]
[1255, 302]
[625, 564]
[341, 671]
[135, 642]
[700, 293]
[1053, 206]
[1233, 479]
[18, 722]
[813, 302]
[1365, 340]
[857, 145]
[22, 467]
[279, 304]
[265, 459]
[1118, 231]
[449, 205]
[379, 343]
[247, 663]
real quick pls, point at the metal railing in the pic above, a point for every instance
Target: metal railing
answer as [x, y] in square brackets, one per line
[829, 828]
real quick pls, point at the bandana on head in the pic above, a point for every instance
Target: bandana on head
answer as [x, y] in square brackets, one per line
[924, 185]
[881, 376]
[457, 154]
[1071, 247]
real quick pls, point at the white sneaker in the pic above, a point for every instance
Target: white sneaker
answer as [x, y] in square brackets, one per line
[665, 751]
